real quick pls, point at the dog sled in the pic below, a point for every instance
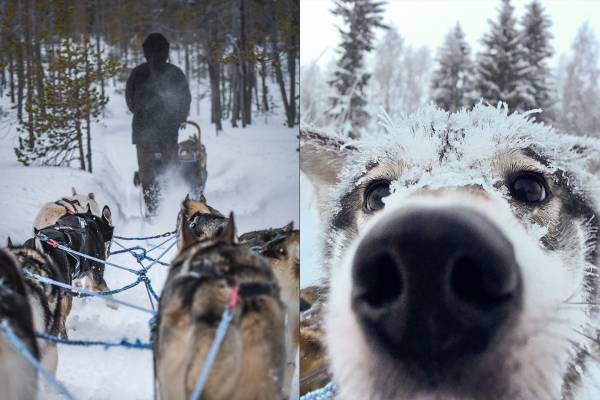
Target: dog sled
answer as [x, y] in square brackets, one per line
[190, 166]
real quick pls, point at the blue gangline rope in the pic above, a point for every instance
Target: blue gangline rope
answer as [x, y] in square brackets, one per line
[126, 343]
[22, 349]
[63, 285]
[146, 237]
[214, 348]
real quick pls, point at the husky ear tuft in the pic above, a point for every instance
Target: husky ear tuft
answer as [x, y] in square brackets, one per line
[202, 199]
[91, 196]
[228, 233]
[73, 191]
[89, 209]
[289, 227]
[187, 198]
[322, 159]
[9, 243]
[106, 215]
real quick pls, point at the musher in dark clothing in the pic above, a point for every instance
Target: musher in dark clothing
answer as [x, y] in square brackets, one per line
[159, 97]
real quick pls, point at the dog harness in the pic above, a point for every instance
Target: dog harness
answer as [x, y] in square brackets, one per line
[72, 203]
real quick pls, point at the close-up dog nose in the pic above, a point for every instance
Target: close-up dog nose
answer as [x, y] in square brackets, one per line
[431, 286]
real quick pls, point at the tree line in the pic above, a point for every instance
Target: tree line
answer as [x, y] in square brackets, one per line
[512, 66]
[55, 54]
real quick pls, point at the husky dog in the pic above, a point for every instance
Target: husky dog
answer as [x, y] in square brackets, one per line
[281, 247]
[77, 203]
[192, 162]
[50, 305]
[462, 257]
[251, 360]
[85, 233]
[18, 378]
[314, 373]
[203, 220]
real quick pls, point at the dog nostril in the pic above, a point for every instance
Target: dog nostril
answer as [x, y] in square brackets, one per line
[479, 283]
[378, 280]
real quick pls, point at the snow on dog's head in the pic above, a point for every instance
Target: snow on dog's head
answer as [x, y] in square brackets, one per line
[461, 251]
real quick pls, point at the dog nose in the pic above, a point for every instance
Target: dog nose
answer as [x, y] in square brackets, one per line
[431, 286]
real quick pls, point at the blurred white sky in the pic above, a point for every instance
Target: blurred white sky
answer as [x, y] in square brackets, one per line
[426, 23]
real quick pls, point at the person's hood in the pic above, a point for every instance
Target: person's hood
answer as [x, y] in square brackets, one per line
[156, 48]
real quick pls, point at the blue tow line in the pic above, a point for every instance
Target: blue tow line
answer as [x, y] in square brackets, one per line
[126, 343]
[22, 349]
[214, 348]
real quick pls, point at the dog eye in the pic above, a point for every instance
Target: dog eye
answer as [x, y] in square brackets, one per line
[374, 195]
[529, 187]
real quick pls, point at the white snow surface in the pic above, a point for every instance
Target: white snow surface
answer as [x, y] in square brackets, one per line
[252, 171]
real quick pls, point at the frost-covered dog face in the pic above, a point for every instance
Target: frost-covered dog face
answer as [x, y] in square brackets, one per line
[461, 252]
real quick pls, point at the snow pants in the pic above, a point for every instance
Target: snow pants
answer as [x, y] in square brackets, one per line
[153, 160]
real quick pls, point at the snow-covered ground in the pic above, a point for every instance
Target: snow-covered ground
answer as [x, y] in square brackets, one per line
[252, 171]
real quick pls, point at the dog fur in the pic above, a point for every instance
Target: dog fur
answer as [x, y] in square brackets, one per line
[281, 247]
[50, 305]
[204, 221]
[434, 160]
[76, 203]
[18, 378]
[250, 363]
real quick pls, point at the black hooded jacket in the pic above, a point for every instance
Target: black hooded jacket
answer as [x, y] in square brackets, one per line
[157, 94]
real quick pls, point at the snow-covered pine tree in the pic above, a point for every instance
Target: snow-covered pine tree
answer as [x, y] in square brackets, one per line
[401, 76]
[452, 84]
[536, 42]
[58, 130]
[580, 99]
[503, 73]
[360, 19]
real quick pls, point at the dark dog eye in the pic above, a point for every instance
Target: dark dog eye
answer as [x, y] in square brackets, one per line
[529, 187]
[374, 195]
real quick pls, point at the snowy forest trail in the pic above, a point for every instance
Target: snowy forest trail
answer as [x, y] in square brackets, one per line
[251, 171]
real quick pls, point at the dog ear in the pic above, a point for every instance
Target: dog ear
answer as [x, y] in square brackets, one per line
[106, 215]
[91, 196]
[9, 243]
[202, 199]
[289, 227]
[73, 191]
[89, 209]
[228, 233]
[322, 158]
[186, 236]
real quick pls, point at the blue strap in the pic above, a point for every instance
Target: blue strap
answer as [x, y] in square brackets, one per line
[63, 285]
[22, 349]
[68, 250]
[212, 354]
[145, 237]
[137, 344]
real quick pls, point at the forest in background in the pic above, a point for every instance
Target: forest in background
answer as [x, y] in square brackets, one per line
[512, 66]
[57, 58]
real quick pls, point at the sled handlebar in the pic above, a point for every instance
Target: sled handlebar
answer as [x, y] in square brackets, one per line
[195, 125]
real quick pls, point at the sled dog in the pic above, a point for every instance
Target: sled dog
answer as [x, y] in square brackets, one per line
[18, 378]
[314, 373]
[203, 220]
[461, 252]
[76, 203]
[251, 360]
[281, 248]
[50, 305]
[85, 233]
